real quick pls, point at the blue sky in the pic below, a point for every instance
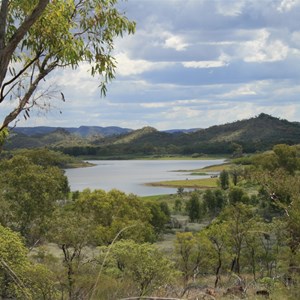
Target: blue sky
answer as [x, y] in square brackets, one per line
[191, 64]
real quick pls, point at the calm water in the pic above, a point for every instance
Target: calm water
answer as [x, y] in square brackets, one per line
[130, 176]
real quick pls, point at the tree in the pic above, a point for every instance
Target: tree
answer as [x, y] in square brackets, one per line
[224, 180]
[286, 157]
[239, 218]
[217, 235]
[177, 205]
[13, 265]
[235, 172]
[180, 192]
[29, 193]
[194, 208]
[114, 210]
[38, 37]
[188, 256]
[237, 150]
[210, 201]
[144, 264]
[160, 215]
[192, 254]
[283, 156]
[282, 190]
[71, 231]
[236, 195]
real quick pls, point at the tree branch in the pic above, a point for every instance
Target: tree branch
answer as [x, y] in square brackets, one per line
[3, 17]
[14, 114]
[2, 96]
[7, 52]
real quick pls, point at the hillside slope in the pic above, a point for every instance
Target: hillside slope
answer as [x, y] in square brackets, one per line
[255, 134]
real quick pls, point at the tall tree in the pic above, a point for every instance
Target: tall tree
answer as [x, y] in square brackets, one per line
[29, 194]
[13, 265]
[224, 180]
[143, 264]
[37, 37]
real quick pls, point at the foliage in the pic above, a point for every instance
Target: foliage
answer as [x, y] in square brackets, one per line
[144, 264]
[71, 231]
[237, 194]
[45, 157]
[160, 215]
[29, 193]
[192, 254]
[224, 180]
[214, 201]
[42, 283]
[114, 210]
[178, 206]
[13, 265]
[3, 136]
[180, 192]
[283, 156]
[240, 220]
[38, 37]
[195, 208]
[217, 236]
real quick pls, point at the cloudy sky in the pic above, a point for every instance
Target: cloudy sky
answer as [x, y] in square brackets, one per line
[192, 64]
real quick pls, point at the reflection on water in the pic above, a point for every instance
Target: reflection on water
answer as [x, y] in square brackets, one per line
[130, 176]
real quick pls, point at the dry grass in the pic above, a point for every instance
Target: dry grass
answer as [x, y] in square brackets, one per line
[203, 183]
[215, 168]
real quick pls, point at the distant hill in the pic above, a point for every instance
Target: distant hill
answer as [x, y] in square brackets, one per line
[255, 134]
[83, 131]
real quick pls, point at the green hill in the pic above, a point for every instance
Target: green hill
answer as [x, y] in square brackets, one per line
[255, 134]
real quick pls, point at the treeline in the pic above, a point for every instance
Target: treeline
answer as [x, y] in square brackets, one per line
[149, 149]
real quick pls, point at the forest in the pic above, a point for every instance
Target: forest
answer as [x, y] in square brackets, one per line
[240, 239]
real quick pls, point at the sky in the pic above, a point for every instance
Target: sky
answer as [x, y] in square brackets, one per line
[191, 64]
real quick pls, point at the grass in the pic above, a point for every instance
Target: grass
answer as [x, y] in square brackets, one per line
[215, 168]
[78, 164]
[202, 183]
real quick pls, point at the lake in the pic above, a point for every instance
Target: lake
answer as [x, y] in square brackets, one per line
[130, 176]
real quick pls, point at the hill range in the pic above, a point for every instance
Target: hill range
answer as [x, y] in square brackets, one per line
[255, 134]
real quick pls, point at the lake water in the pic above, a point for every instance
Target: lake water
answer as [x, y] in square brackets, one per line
[130, 176]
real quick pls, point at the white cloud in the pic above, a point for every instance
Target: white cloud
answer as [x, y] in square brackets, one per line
[78, 81]
[221, 62]
[287, 5]
[179, 112]
[154, 105]
[175, 42]
[263, 48]
[127, 66]
[245, 90]
[230, 8]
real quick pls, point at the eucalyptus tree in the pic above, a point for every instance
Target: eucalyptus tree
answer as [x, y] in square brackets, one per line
[40, 36]
[29, 195]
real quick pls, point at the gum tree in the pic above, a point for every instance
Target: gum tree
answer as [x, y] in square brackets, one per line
[40, 36]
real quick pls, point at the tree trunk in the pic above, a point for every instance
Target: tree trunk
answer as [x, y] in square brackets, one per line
[7, 50]
[218, 270]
